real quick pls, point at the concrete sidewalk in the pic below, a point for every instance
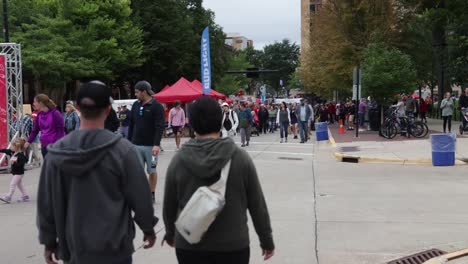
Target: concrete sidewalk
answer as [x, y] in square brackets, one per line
[376, 149]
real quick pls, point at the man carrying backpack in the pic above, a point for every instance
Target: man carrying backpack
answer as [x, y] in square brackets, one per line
[230, 122]
[202, 162]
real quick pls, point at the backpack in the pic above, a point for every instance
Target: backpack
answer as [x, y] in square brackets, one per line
[203, 208]
[69, 128]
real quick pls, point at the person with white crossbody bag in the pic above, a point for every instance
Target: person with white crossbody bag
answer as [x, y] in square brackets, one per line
[210, 185]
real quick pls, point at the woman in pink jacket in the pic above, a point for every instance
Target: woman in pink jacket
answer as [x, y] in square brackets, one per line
[177, 121]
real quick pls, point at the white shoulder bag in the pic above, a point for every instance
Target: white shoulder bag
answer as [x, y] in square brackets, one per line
[202, 209]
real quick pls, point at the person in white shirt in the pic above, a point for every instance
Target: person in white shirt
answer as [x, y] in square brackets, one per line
[230, 122]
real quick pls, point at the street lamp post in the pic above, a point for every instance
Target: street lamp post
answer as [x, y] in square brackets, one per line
[6, 32]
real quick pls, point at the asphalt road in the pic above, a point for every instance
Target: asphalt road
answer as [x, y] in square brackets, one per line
[322, 211]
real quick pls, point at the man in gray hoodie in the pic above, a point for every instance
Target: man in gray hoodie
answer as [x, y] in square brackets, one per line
[87, 194]
[199, 163]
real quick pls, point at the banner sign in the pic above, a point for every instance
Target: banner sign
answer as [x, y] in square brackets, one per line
[3, 103]
[263, 90]
[206, 61]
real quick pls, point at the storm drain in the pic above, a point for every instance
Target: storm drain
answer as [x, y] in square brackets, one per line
[419, 258]
[350, 159]
[286, 158]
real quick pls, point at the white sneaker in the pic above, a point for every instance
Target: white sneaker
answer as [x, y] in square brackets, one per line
[281, 141]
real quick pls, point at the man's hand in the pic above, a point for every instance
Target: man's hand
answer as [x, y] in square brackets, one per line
[150, 240]
[50, 255]
[26, 145]
[267, 254]
[170, 243]
[156, 150]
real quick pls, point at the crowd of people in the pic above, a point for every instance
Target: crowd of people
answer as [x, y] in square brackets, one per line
[93, 184]
[249, 119]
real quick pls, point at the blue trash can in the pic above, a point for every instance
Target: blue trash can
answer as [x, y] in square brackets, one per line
[321, 131]
[443, 149]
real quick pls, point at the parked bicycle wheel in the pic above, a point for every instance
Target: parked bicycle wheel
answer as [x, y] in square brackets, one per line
[388, 131]
[419, 129]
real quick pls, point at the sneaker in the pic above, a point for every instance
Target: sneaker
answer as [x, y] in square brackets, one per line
[243, 145]
[281, 141]
[286, 140]
[247, 144]
[295, 137]
[302, 142]
[24, 198]
[5, 199]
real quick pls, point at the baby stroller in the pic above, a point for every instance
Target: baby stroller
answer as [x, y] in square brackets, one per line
[255, 129]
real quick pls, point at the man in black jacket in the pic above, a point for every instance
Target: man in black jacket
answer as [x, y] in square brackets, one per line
[147, 122]
[263, 119]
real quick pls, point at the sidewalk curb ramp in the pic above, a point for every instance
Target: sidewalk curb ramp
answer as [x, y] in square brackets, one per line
[343, 157]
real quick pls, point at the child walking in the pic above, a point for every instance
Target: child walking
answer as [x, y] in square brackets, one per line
[18, 160]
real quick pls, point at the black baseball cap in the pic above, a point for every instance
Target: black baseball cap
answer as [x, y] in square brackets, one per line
[94, 94]
[144, 86]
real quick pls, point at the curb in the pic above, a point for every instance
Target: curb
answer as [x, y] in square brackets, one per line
[331, 139]
[376, 160]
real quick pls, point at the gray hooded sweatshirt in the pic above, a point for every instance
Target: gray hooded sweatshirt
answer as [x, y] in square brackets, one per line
[90, 184]
[199, 163]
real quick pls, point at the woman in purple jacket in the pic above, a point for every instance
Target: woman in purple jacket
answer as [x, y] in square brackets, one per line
[49, 122]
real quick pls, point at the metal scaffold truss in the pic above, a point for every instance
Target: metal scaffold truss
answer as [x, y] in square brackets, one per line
[14, 82]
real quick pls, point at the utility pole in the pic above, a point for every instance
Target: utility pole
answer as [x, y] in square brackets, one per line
[6, 32]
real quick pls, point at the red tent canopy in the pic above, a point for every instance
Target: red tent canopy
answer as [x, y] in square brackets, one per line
[182, 90]
[199, 86]
[165, 87]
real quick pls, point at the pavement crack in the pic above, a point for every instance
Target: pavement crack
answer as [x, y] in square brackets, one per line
[315, 208]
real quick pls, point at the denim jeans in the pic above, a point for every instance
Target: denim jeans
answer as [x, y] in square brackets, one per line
[272, 124]
[361, 119]
[245, 134]
[303, 130]
[284, 130]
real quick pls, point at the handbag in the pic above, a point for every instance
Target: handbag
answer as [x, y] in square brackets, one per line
[202, 209]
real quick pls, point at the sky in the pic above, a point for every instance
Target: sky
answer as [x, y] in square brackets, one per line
[263, 21]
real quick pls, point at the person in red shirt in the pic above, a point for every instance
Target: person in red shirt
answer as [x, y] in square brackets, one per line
[422, 109]
[331, 112]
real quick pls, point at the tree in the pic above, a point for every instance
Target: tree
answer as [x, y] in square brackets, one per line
[386, 72]
[282, 56]
[230, 83]
[341, 31]
[172, 35]
[65, 40]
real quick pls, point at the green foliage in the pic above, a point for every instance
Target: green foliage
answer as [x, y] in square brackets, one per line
[281, 56]
[386, 72]
[231, 83]
[172, 35]
[340, 32]
[65, 40]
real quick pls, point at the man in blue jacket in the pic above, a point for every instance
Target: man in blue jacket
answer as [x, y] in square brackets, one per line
[245, 121]
[303, 113]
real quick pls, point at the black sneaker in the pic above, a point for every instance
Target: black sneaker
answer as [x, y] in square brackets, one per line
[295, 137]
[247, 144]
[243, 145]
[154, 198]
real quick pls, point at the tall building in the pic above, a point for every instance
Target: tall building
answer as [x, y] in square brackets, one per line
[238, 42]
[308, 9]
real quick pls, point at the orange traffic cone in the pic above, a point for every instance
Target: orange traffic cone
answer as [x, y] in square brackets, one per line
[341, 127]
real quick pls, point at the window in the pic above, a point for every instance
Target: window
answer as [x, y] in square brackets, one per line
[312, 8]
